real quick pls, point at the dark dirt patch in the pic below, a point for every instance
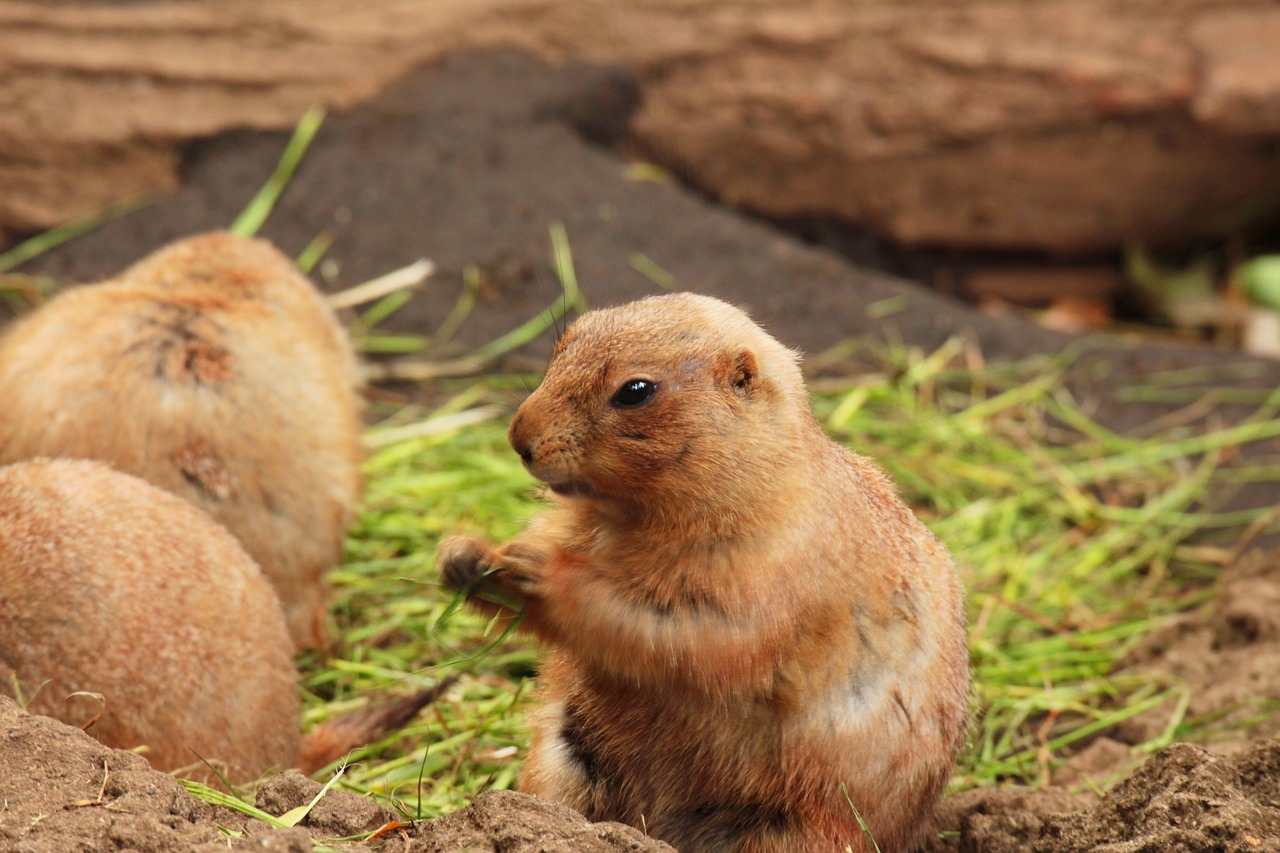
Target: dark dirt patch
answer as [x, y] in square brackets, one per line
[469, 163]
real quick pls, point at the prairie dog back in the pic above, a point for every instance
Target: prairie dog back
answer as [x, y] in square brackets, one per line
[213, 370]
[111, 586]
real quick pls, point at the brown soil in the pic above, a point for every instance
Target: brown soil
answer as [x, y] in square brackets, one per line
[63, 791]
[1185, 799]
[468, 163]
[1228, 655]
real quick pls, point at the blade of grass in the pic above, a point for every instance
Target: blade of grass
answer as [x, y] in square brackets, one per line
[314, 251]
[405, 278]
[35, 246]
[251, 219]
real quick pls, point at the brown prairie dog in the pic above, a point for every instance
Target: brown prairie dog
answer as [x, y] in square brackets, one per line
[743, 615]
[214, 370]
[109, 585]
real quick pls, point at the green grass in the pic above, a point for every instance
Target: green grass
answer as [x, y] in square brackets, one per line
[260, 206]
[1073, 543]
[46, 240]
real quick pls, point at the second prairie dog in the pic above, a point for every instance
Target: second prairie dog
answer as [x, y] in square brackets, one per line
[214, 370]
[124, 607]
[745, 619]
[109, 585]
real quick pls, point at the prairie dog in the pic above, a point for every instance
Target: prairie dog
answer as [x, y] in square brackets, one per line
[109, 585]
[129, 612]
[214, 370]
[745, 620]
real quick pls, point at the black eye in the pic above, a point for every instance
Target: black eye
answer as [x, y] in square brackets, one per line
[634, 393]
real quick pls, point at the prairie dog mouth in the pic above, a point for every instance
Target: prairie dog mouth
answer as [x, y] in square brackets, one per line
[572, 489]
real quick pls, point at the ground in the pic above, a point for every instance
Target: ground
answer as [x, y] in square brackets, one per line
[469, 163]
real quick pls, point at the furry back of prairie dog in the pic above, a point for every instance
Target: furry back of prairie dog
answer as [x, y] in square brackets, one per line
[214, 370]
[122, 603]
[750, 633]
[128, 612]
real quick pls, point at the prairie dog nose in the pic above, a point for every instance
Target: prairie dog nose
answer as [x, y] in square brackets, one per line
[520, 442]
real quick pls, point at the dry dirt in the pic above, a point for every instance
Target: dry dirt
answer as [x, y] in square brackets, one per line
[468, 163]
[63, 791]
[1183, 799]
[1228, 654]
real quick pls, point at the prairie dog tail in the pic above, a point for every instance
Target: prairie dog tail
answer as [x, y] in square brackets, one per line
[334, 738]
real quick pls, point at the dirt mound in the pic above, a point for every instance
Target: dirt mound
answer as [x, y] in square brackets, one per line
[1227, 654]
[1227, 657]
[65, 791]
[62, 790]
[1184, 799]
[501, 821]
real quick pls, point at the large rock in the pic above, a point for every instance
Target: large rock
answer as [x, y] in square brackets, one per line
[1068, 125]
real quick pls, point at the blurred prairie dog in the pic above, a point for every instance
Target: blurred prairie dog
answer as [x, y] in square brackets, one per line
[214, 370]
[129, 612]
[744, 617]
[109, 585]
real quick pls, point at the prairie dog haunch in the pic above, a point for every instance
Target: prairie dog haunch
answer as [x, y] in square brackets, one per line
[111, 586]
[214, 370]
[127, 611]
[744, 618]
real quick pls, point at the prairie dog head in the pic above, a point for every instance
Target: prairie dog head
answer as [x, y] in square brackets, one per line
[661, 399]
[214, 262]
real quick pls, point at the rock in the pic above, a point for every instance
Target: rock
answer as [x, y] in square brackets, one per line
[1072, 125]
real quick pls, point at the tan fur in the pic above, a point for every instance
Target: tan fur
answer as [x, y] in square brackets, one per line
[214, 370]
[109, 585]
[744, 616]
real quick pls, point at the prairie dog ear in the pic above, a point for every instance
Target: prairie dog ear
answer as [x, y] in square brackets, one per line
[745, 372]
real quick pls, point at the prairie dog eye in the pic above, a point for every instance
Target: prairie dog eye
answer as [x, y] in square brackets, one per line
[634, 393]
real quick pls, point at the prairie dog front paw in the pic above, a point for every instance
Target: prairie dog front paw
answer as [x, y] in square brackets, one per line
[462, 562]
[521, 568]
